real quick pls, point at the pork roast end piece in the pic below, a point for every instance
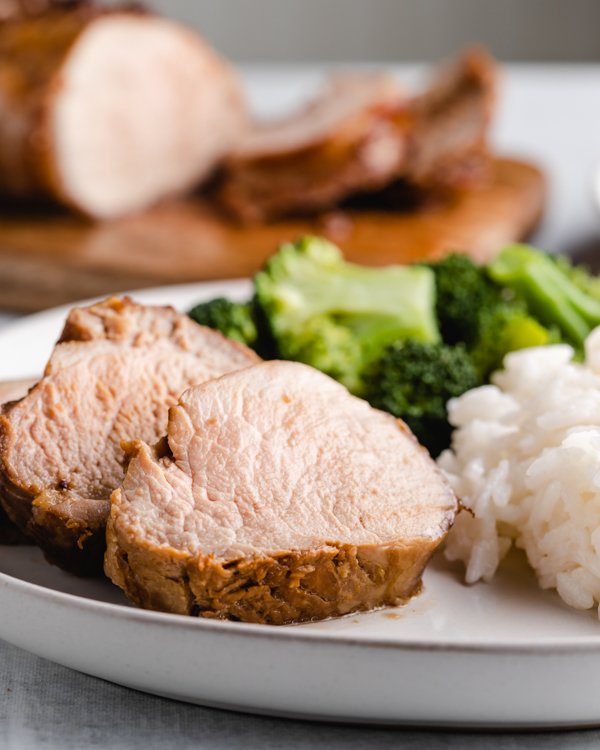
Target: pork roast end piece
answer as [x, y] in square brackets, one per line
[451, 121]
[110, 111]
[343, 142]
[277, 497]
[364, 134]
[118, 368]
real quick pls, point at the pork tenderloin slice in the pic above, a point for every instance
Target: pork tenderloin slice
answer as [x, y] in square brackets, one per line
[122, 320]
[344, 141]
[451, 120]
[362, 135]
[277, 497]
[111, 111]
[60, 452]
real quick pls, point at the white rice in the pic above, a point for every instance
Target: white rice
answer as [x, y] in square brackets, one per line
[525, 459]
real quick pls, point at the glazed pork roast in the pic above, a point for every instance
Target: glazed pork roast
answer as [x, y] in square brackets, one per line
[345, 141]
[116, 370]
[362, 134]
[448, 136]
[110, 110]
[276, 497]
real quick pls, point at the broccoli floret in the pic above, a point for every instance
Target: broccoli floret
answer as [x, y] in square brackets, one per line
[328, 346]
[337, 316]
[464, 295]
[415, 380]
[507, 328]
[233, 319]
[551, 296]
[478, 309]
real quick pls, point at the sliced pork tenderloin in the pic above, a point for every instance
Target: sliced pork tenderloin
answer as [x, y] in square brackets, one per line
[110, 111]
[344, 142]
[277, 497]
[451, 121]
[363, 134]
[117, 369]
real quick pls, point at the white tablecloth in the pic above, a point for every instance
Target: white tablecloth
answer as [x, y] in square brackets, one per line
[549, 114]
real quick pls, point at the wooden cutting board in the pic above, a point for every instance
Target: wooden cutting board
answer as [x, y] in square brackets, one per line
[53, 258]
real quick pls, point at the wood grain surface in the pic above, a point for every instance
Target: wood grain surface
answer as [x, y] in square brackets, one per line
[51, 258]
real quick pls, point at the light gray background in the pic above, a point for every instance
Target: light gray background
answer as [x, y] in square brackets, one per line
[395, 30]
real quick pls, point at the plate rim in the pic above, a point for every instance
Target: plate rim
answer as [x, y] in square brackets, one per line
[292, 632]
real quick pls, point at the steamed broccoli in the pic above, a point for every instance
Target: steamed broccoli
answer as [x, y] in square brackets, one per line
[337, 316]
[506, 328]
[233, 319]
[464, 296]
[414, 381]
[486, 317]
[552, 297]
[580, 275]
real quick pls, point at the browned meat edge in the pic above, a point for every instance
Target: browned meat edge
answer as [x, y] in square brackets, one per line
[450, 122]
[320, 174]
[74, 545]
[293, 586]
[32, 49]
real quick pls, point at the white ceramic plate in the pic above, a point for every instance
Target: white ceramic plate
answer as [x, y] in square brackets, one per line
[499, 655]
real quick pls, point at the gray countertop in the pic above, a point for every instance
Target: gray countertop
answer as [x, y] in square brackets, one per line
[550, 114]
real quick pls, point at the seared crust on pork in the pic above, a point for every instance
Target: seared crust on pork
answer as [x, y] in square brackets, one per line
[286, 587]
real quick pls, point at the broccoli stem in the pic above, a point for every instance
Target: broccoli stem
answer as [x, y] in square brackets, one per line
[548, 292]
